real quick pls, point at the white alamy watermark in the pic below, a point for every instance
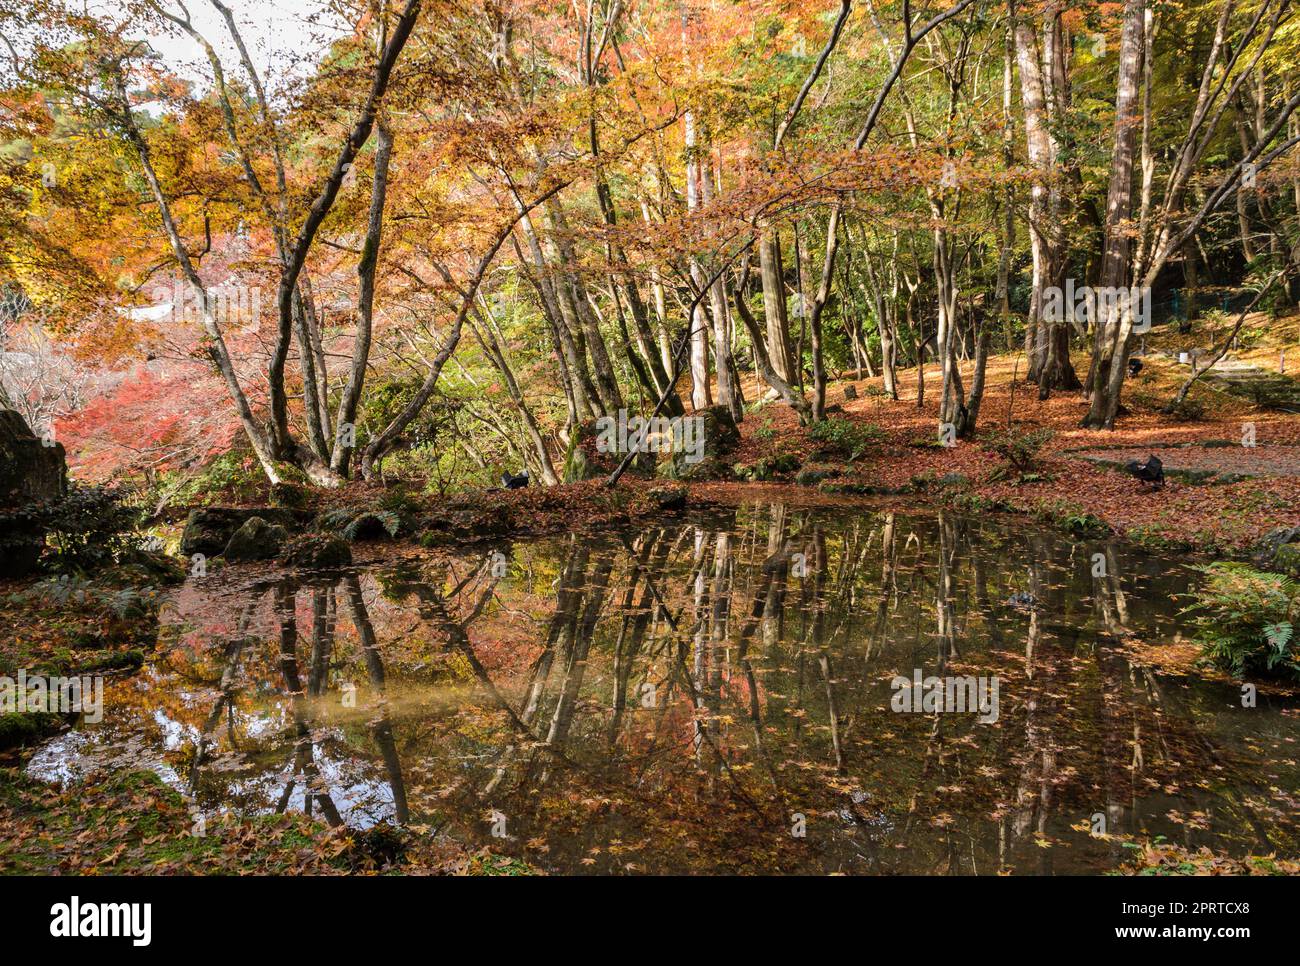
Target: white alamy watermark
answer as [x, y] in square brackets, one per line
[38, 693]
[1097, 305]
[73, 919]
[936, 695]
[228, 305]
[654, 434]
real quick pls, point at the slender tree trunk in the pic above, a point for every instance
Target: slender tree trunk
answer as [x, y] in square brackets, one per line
[701, 397]
[341, 458]
[729, 393]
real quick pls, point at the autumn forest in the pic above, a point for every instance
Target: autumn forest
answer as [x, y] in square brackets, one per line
[617, 436]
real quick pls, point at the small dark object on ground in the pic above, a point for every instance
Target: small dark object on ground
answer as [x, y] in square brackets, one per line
[1135, 366]
[1150, 471]
[1022, 599]
[514, 482]
[850, 392]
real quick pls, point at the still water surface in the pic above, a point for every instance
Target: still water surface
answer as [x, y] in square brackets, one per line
[713, 696]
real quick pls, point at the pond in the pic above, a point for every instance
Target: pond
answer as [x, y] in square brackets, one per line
[728, 692]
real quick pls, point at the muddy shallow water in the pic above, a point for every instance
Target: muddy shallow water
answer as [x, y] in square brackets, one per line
[717, 695]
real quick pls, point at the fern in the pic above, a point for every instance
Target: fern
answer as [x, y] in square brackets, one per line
[390, 521]
[1245, 620]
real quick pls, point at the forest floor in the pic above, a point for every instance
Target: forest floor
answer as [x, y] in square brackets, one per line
[133, 824]
[1223, 496]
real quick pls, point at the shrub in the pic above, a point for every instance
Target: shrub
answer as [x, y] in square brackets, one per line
[232, 476]
[372, 524]
[1072, 517]
[400, 500]
[1189, 410]
[1018, 447]
[88, 528]
[1245, 620]
[846, 437]
[72, 593]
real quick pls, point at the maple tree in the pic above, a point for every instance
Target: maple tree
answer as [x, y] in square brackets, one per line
[526, 215]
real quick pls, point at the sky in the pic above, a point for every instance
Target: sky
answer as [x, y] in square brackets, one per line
[282, 36]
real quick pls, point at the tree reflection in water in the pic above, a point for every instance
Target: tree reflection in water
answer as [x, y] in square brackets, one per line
[667, 700]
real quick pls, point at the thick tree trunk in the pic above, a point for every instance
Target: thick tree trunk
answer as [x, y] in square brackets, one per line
[771, 274]
[1110, 348]
[766, 368]
[1046, 340]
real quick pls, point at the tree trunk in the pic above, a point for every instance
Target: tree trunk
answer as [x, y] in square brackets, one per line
[774, 309]
[341, 458]
[1110, 348]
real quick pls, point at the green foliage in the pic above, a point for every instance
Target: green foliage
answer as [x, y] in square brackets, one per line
[71, 591]
[1083, 524]
[231, 476]
[367, 522]
[336, 518]
[1188, 410]
[90, 527]
[385, 399]
[1018, 447]
[1245, 620]
[848, 438]
[965, 501]
[1069, 516]
[400, 500]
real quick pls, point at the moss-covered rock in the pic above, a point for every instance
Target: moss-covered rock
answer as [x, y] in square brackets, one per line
[255, 540]
[812, 475]
[208, 529]
[669, 499]
[24, 728]
[31, 474]
[317, 551]
[1287, 559]
[1271, 553]
[704, 447]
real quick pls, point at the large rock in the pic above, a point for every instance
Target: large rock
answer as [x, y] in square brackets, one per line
[208, 529]
[713, 435]
[464, 520]
[766, 468]
[1287, 559]
[31, 473]
[585, 459]
[669, 499]
[318, 551]
[1279, 551]
[255, 540]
